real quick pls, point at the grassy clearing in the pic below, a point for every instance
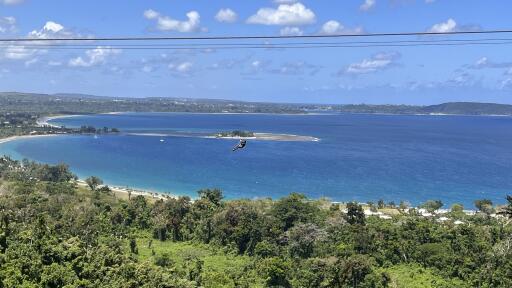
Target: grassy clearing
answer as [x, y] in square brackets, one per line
[415, 276]
[224, 269]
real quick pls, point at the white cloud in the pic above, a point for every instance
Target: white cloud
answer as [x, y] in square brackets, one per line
[367, 5]
[52, 30]
[17, 53]
[181, 68]
[295, 68]
[165, 23]
[151, 14]
[226, 16]
[482, 62]
[291, 31]
[507, 83]
[509, 72]
[463, 79]
[333, 27]
[376, 63]
[294, 15]
[11, 2]
[7, 24]
[30, 62]
[94, 57]
[485, 62]
[445, 27]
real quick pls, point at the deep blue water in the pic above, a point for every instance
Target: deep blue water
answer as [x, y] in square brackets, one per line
[359, 157]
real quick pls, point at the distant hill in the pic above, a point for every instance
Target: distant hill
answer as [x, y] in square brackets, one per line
[469, 108]
[72, 103]
[453, 108]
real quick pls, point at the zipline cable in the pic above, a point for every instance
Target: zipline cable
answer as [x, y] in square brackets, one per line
[478, 32]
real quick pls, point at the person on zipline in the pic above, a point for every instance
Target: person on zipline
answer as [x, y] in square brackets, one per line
[240, 145]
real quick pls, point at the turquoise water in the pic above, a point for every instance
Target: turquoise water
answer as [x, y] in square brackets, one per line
[359, 157]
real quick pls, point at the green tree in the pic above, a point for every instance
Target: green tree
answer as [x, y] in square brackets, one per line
[484, 206]
[275, 272]
[266, 249]
[200, 219]
[292, 209]
[432, 205]
[457, 210]
[351, 272]
[302, 239]
[177, 210]
[241, 224]
[507, 210]
[93, 182]
[355, 214]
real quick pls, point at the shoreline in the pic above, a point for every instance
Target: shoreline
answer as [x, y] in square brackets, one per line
[271, 137]
[126, 191]
[257, 136]
[20, 137]
[43, 121]
[314, 113]
[133, 191]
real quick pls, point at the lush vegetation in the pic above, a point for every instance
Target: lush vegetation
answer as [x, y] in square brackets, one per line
[85, 104]
[54, 233]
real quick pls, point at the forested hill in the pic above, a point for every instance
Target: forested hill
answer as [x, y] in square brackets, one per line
[453, 108]
[44, 104]
[469, 108]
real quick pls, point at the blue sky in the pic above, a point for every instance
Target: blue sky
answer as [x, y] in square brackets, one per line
[409, 75]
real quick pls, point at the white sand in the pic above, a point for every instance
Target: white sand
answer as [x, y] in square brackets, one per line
[13, 138]
[134, 192]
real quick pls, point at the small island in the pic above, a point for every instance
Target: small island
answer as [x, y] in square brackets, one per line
[235, 133]
[238, 134]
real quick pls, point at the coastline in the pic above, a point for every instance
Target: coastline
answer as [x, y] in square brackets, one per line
[14, 138]
[126, 191]
[43, 121]
[141, 191]
[81, 182]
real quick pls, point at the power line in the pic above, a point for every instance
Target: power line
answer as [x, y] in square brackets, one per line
[206, 38]
[268, 46]
[31, 45]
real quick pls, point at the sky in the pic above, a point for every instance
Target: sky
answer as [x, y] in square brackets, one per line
[374, 75]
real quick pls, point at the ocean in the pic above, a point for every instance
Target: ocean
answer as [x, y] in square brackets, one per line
[413, 158]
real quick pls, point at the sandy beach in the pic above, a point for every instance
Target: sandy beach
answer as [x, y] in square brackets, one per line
[271, 137]
[43, 121]
[13, 138]
[126, 191]
[257, 136]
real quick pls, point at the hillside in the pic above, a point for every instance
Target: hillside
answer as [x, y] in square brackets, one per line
[54, 233]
